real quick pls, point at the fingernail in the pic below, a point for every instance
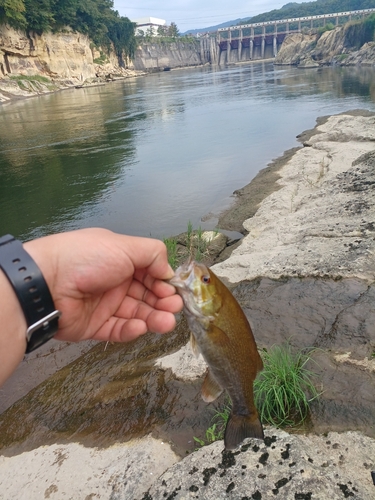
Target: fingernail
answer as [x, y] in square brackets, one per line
[171, 272]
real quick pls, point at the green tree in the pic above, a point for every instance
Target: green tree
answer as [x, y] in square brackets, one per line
[162, 30]
[121, 33]
[173, 30]
[13, 12]
[39, 15]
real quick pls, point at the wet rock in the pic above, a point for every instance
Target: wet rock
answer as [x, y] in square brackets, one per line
[286, 466]
[337, 318]
[38, 366]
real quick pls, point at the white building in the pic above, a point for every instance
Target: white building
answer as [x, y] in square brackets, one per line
[145, 23]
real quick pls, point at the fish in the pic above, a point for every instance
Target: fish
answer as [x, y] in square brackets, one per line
[221, 332]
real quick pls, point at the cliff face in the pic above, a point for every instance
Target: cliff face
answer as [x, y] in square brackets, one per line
[63, 55]
[65, 59]
[156, 56]
[332, 47]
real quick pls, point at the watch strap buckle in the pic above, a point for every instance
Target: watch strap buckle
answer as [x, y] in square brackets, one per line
[42, 323]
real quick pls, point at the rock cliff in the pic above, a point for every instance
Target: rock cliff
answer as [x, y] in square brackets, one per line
[63, 55]
[63, 59]
[68, 58]
[332, 47]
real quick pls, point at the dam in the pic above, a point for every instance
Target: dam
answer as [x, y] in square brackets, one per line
[262, 40]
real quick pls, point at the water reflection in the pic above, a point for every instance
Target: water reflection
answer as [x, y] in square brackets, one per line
[145, 156]
[61, 163]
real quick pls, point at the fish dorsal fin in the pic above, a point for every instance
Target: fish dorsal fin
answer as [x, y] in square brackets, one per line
[194, 346]
[210, 388]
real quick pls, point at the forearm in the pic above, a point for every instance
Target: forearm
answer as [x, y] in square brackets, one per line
[12, 330]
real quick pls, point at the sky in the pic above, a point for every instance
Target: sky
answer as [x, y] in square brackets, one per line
[192, 14]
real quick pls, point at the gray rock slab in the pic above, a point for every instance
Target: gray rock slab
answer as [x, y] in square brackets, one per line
[73, 471]
[322, 220]
[289, 467]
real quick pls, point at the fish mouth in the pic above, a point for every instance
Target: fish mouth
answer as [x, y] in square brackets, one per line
[183, 280]
[184, 275]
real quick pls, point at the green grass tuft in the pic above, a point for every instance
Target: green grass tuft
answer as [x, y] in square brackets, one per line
[216, 431]
[33, 78]
[171, 244]
[284, 389]
[194, 246]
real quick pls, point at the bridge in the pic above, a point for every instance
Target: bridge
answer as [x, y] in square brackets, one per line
[262, 40]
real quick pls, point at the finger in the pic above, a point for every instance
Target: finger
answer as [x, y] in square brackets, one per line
[125, 330]
[161, 322]
[155, 291]
[159, 287]
[147, 253]
[171, 304]
[121, 330]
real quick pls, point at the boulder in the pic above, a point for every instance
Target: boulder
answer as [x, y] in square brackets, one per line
[291, 467]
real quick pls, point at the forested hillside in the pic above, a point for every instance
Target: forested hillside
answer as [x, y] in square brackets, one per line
[294, 9]
[95, 18]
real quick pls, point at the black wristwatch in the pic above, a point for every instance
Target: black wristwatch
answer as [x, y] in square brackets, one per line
[32, 292]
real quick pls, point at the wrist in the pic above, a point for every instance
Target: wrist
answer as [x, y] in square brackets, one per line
[13, 330]
[31, 290]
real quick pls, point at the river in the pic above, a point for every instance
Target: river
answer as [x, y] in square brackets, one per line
[145, 156]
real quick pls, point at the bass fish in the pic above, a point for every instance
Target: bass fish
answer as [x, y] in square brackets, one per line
[221, 332]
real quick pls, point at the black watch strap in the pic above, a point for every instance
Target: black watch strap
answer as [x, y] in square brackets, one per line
[32, 292]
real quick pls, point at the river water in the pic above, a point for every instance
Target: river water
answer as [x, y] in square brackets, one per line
[145, 156]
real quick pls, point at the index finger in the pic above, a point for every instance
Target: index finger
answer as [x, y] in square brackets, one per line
[147, 253]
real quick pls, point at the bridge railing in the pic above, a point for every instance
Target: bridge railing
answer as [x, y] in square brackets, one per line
[362, 12]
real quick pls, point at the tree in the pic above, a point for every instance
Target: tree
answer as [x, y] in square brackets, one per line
[162, 30]
[150, 32]
[173, 30]
[121, 33]
[13, 12]
[39, 15]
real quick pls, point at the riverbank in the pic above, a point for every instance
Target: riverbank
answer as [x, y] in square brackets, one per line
[23, 87]
[304, 272]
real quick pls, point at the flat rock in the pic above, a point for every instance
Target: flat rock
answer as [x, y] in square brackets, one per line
[291, 467]
[322, 220]
[66, 470]
[183, 364]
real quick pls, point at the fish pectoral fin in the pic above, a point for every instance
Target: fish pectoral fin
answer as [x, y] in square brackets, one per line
[211, 390]
[194, 346]
[240, 427]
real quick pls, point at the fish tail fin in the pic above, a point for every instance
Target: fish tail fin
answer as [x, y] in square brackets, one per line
[240, 427]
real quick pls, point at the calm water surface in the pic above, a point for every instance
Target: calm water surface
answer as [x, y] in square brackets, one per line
[145, 156]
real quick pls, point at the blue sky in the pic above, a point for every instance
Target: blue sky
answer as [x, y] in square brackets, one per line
[190, 14]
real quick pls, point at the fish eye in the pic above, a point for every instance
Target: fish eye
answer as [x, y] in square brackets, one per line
[205, 279]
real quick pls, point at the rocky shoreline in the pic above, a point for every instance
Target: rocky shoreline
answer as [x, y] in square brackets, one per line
[303, 271]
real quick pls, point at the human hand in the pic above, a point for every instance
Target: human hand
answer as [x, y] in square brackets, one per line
[108, 286]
